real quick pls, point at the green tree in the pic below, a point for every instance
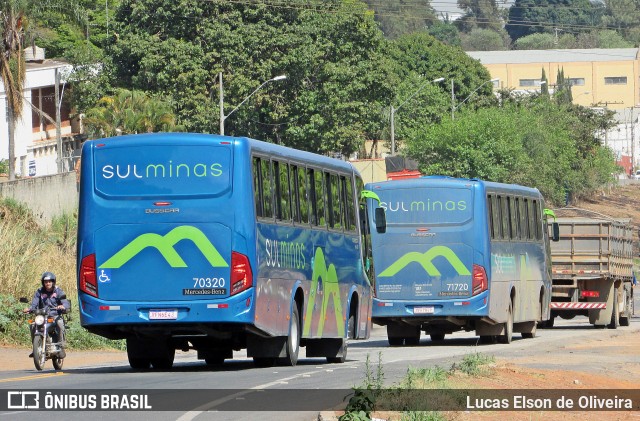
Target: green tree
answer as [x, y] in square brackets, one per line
[562, 93]
[623, 16]
[399, 17]
[602, 39]
[485, 40]
[533, 142]
[483, 14]
[544, 86]
[129, 112]
[528, 17]
[332, 52]
[445, 32]
[420, 58]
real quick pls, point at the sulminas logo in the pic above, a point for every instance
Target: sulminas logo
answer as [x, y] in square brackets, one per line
[165, 245]
[426, 261]
[331, 289]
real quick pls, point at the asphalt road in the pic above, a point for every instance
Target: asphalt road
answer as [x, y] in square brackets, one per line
[238, 383]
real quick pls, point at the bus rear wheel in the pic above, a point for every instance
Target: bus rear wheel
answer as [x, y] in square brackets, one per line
[293, 340]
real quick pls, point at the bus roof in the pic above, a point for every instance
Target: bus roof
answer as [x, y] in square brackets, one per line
[267, 148]
[444, 181]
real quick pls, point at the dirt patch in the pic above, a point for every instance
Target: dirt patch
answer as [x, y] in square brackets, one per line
[17, 359]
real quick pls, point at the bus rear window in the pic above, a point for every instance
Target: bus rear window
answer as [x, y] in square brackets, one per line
[146, 171]
[427, 206]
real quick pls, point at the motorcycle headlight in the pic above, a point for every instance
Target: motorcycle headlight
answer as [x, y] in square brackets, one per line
[39, 319]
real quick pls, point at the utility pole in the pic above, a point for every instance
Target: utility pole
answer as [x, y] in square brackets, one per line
[221, 105]
[453, 101]
[393, 137]
[58, 129]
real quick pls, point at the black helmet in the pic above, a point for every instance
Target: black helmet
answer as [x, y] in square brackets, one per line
[48, 276]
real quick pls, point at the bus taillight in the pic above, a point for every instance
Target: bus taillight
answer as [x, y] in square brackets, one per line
[479, 280]
[88, 283]
[241, 275]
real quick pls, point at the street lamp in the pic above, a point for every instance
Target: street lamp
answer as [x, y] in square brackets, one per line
[393, 111]
[453, 98]
[224, 117]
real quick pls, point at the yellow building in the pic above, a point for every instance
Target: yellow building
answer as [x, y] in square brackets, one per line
[600, 77]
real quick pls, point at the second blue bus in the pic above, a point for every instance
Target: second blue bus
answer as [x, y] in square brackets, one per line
[460, 254]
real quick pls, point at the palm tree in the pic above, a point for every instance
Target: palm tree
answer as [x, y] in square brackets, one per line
[129, 112]
[12, 67]
[15, 16]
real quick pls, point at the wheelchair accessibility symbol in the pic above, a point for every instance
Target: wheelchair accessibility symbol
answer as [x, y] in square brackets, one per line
[105, 276]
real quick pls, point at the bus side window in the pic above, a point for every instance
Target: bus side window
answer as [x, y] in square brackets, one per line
[532, 224]
[267, 189]
[509, 217]
[492, 233]
[303, 194]
[518, 224]
[320, 198]
[334, 202]
[257, 186]
[283, 200]
[497, 216]
[537, 220]
[524, 218]
[347, 193]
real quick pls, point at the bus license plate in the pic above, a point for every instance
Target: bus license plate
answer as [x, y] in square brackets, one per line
[167, 314]
[423, 310]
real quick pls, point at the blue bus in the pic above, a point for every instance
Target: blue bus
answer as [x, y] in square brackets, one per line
[214, 243]
[460, 254]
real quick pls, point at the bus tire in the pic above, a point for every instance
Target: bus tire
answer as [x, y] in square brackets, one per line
[506, 337]
[165, 361]
[395, 341]
[437, 337]
[138, 359]
[293, 339]
[488, 339]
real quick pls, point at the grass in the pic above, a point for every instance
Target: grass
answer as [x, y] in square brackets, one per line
[446, 389]
[28, 251]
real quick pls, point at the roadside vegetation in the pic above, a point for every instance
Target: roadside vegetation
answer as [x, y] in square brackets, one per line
[28, 250]
[373, 400]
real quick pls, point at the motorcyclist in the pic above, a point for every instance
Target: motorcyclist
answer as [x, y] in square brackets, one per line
[50, 295]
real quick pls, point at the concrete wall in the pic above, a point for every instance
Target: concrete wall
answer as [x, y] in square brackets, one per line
[47, 197]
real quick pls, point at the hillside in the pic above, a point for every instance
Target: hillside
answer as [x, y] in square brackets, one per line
[618, 202]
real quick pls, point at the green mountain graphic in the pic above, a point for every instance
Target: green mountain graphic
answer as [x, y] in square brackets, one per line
[331, 289]
[425, 260]
[164, 244]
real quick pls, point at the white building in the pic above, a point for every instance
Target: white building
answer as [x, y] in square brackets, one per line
[35, 136]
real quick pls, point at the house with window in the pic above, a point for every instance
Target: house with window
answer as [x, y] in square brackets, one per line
[600, 78]
[36, 143]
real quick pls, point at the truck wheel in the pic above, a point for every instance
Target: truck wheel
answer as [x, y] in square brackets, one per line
[626, 315]
[615, 315]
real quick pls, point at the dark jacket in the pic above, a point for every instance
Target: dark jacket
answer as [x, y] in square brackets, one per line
[42, 299]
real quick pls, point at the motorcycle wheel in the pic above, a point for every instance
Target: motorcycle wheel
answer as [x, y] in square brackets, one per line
[57, 362]
[39, 356]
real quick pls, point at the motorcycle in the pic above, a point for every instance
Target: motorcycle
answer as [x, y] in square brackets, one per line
[44, 348]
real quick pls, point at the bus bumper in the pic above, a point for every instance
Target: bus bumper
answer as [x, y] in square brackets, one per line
[238, 309]
[466, 307]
